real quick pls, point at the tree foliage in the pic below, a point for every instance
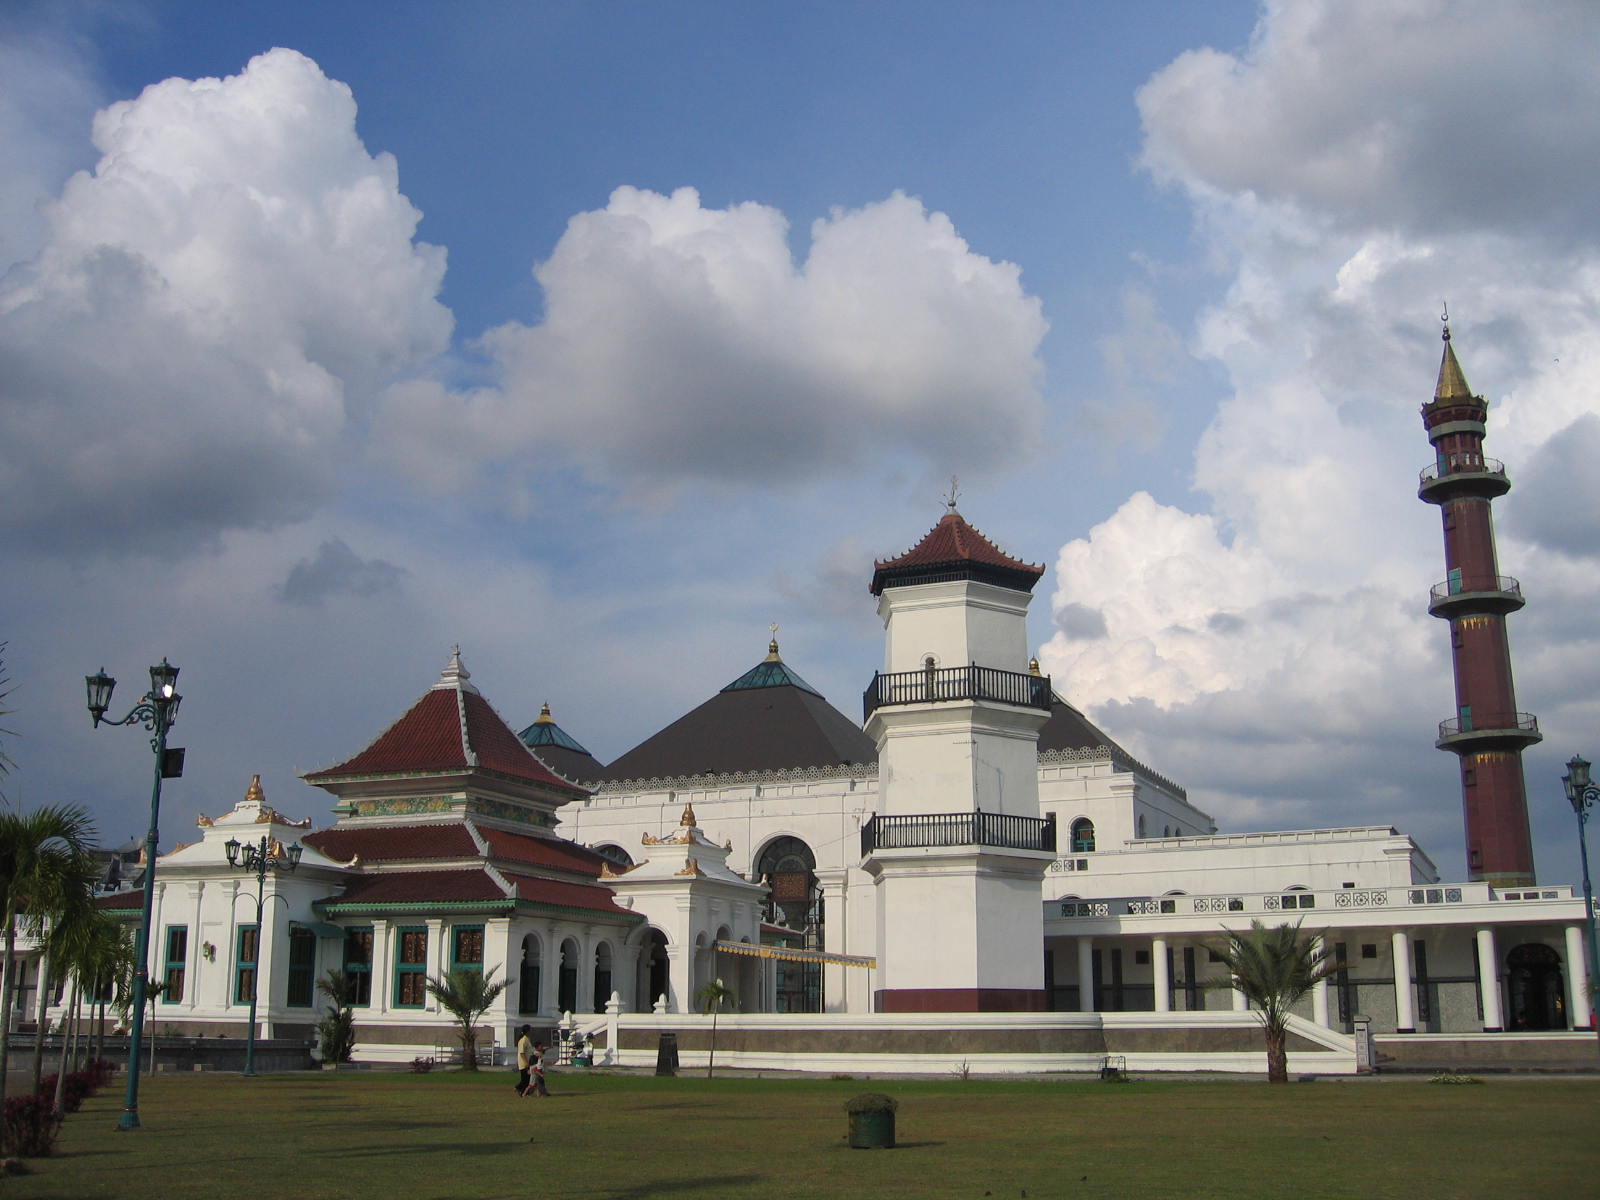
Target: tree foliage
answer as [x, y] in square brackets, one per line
[466, 994]
[46, 871]
[336, 1030]
[1274, 967]
[712, 997]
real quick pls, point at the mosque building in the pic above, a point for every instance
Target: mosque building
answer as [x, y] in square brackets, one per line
[974, 855]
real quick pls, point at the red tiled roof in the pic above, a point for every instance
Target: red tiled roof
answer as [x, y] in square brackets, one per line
[542, 852]
[449, 728]
[121, 900]
[567, 895]
[420, 887]
[391, 843]
[952, 540]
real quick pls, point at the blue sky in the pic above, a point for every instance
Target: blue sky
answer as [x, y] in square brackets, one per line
[289, 404]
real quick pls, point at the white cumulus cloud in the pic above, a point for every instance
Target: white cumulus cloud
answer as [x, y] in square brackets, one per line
[211, 308]
[685, 343]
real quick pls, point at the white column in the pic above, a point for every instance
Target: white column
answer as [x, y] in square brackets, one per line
[191, 986]
[1577, 980]
[1319, 996]
[1240, 1002]
[1489, 982]
[549, 969]
[1086, 974]
[680, 971]
[1405, 1006]
[1163, 977]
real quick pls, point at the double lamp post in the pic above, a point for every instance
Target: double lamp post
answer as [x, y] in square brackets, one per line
[1583, 795]
[258, 860]
[156, 711]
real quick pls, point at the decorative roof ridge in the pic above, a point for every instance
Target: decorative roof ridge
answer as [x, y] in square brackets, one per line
[771, 775]
[467, 750]
[505, 884]
[455, 676]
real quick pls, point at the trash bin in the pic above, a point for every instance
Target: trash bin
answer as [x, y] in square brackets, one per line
[871, 1121]
[667, 1055]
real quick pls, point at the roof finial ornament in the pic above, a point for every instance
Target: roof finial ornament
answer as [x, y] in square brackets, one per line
[772, 646]
[687, 820]
[951, 502]
[454, 674]
[1444, 319]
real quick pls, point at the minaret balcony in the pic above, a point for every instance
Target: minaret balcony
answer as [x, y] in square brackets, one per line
[1489, 731]
[1463, 475]
[921, 830]
[1469, 596]
[934, 684]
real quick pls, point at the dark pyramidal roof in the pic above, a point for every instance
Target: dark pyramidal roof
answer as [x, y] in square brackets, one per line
[557, 749]
[768, 719]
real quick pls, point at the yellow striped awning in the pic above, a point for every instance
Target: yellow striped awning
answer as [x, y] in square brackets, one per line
[787, 954]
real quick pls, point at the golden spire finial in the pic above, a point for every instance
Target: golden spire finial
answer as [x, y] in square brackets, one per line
[1033, 666]
[1452, 383]
[687, 820]
[544, 717]
[772, 646]
[254, 795]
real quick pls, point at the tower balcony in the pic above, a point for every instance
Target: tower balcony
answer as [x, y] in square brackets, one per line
[934, 684]
[1513, 731]
[1472, 596]
[919, 830]
[1462, 475]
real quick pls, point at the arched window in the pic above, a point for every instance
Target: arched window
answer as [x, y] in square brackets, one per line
[1166, 831]
[1083, 836]
[613, 854]
[789, 869]
[1139, 826]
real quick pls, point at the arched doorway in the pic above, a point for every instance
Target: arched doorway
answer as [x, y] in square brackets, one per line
[789, 868]
[602, 976]
[1535, 987]
[528, 976]
[654, 968]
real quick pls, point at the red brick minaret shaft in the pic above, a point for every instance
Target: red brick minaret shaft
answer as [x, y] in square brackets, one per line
[1487, 733]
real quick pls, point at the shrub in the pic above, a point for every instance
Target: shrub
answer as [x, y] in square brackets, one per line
[30, 1125]
[871, 1102]
[421, 1066]
[79, 1086]
[1452, 1077]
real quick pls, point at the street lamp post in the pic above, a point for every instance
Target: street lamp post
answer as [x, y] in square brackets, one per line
[1583, 795]
[258, 860]
[156, 711]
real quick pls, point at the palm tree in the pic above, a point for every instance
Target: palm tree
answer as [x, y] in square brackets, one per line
[466, 994]
[1273, 968]
[712, 997]
[44, 867]
[336, 1031]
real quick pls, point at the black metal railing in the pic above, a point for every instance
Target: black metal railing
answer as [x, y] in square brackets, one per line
[1489, 723]
[919, 830]
[1484, 583]
[956, 683]
[1461, 464]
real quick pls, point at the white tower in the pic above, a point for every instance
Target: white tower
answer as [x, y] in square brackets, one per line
[958, 848]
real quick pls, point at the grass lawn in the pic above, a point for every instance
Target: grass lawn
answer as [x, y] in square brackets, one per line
[351, 1135]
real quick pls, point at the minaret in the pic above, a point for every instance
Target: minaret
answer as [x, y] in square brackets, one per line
[1487, 733]
[958, 848]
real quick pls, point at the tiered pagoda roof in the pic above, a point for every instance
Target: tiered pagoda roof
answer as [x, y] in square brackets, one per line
[954, 550]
